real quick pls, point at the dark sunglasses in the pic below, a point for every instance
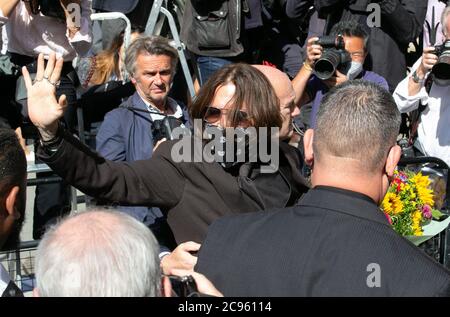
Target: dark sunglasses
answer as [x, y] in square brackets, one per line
[213, 114]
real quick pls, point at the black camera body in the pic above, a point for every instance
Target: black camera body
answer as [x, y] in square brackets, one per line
[441, 70]
[183, 286]
[164, 128]
[334, 55]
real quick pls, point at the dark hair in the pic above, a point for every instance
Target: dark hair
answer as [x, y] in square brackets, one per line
[252, 89]
[13, 164]
[359, 120]
[351, 29]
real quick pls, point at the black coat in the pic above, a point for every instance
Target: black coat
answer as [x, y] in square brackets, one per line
[192, 194]
[327, 245]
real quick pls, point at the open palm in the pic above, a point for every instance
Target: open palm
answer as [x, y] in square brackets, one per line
[43, 108]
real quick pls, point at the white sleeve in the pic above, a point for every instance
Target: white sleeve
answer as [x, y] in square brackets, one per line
[82, 41]
[406, 103]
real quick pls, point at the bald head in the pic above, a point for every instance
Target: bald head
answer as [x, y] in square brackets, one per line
[285, 92]
[98, 253]
[279, 81]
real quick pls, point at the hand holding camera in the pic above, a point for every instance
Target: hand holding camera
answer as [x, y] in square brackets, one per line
[191, 283]
[313, 52]
[429, 59]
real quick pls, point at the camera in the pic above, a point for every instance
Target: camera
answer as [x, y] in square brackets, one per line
[183, 286]
[441, 70]
[334, 55]
[163, 128]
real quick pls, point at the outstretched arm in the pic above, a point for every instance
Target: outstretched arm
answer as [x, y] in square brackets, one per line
[155, 182]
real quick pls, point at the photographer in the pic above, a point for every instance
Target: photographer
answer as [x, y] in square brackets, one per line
[131, 132]
[309, 87]
[426, 93]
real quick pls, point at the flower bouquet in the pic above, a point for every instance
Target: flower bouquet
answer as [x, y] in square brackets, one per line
[408, 206]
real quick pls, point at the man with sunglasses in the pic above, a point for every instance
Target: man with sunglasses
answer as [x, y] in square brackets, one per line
[192, 192]
[310, 89]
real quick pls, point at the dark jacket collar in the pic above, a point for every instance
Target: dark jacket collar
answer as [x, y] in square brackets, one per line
[344, 201]
[137, 102]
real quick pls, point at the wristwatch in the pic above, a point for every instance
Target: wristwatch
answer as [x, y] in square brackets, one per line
[416, 78]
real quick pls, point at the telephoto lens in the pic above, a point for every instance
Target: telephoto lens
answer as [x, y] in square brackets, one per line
[441, 70]
[334, 54]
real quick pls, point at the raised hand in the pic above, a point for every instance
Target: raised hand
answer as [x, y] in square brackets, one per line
[43, 108]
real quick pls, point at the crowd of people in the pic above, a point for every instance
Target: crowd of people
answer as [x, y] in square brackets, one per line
[266, 183]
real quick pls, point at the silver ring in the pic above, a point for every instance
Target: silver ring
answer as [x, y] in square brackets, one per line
[45, 77]
[54, 84]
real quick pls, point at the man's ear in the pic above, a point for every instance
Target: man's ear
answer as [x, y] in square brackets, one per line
[11, 200]
[308, 146]
[133, 81]
[392, 160]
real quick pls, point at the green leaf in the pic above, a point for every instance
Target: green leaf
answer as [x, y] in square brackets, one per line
[436, 214]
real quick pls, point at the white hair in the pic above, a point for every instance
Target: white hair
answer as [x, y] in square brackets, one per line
[444, 16]
[98, 253]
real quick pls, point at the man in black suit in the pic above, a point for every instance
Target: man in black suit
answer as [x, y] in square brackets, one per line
[336, 241]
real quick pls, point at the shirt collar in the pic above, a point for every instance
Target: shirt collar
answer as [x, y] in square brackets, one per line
[176, 109]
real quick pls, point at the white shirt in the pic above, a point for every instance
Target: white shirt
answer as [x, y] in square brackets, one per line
[434, 127]
[31, 35]
[176, 109]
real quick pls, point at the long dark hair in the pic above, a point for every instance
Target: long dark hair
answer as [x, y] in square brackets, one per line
[252, 89]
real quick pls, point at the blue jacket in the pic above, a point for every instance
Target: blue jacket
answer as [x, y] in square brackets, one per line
[125, 135]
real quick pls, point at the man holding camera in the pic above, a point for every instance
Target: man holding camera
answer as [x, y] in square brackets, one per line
[345, 53]
[132, 131]
[426, 91]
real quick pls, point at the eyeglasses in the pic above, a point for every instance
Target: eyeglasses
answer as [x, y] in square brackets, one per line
[213, 114]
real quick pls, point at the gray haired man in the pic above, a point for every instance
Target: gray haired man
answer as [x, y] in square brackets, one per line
[102, 253]
[130, 133]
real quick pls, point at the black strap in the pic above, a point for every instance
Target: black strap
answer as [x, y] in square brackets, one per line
[416, 114]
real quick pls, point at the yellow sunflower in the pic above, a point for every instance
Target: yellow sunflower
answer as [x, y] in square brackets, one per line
[426, 196]
[392, 204]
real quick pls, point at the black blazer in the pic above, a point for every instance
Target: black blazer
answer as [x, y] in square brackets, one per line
[192, 195]
[325, 246]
